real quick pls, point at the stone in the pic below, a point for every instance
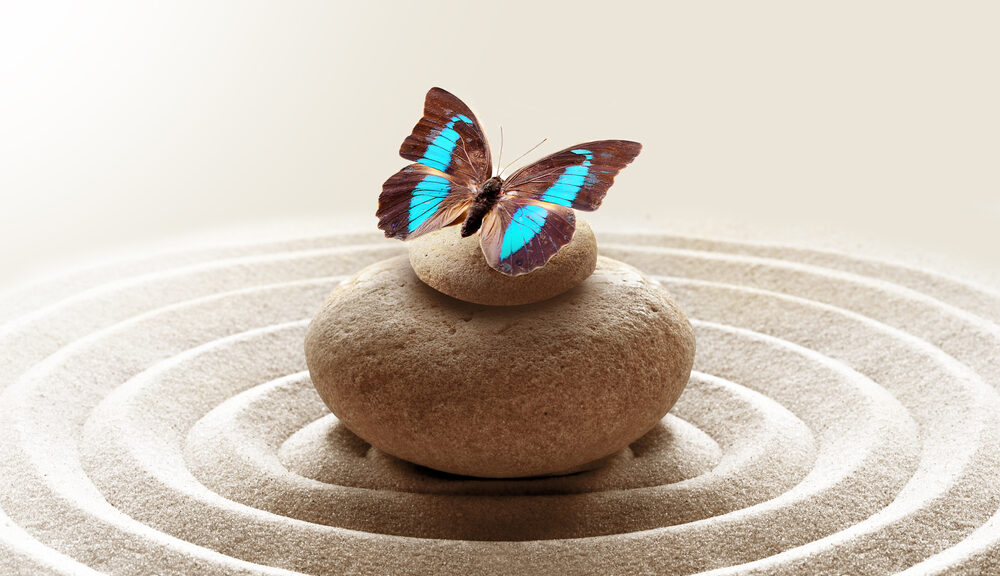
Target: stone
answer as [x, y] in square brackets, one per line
[456, 266]
[501, 392]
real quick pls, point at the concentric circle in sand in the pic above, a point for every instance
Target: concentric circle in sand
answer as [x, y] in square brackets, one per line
[843, 418]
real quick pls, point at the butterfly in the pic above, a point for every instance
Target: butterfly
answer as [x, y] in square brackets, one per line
[522, 221]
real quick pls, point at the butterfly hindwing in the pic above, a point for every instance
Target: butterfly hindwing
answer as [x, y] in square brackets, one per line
[577, 177]
[520, 234]
[419, 199]
[448, 138]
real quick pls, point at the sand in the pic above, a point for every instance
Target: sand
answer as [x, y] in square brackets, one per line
[842, 418]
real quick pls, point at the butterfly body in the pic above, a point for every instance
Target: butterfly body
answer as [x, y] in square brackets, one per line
[522, 220]
[481, 205]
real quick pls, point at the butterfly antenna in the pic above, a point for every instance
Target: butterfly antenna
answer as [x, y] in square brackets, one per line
[500, 155]
[523, 155]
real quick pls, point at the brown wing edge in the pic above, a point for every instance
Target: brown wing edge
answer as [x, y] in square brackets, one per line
[474, 163]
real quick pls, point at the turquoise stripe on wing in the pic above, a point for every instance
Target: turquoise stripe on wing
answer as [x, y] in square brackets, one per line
[526, 222]
[427, 197]
[440, 150]
[564, 190]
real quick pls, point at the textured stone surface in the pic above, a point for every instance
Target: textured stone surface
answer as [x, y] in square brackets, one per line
[490, 391]
[456, 266]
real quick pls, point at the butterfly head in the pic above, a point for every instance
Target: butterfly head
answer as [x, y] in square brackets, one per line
[491, 188]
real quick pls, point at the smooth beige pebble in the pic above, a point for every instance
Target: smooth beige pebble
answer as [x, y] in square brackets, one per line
[456, 266]
[490, 391]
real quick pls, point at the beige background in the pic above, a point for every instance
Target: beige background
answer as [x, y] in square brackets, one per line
[131, 127]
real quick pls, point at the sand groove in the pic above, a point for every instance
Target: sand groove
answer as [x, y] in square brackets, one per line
[843, 417]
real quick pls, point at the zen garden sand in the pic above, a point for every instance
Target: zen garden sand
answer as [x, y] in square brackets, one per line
[842, 417]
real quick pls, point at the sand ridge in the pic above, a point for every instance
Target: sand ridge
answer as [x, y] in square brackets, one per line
[842, 418]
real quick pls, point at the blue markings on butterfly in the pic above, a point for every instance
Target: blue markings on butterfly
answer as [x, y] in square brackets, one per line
[427, 196]
[438, 154]
[526, 222]
[565, 189]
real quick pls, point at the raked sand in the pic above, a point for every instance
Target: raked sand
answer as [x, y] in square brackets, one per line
[843, 417]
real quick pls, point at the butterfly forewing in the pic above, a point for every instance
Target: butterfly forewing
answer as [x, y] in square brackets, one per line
[448, 138]
[577, 177]
[520, 234]
[419, 199]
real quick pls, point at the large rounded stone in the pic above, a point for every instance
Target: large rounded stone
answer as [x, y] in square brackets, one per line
[456, 266]
[544, 388]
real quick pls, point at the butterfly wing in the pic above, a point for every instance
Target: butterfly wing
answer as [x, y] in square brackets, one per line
[448, 138]
[452, 159]
[420, 199]
[534, 217]
[577, 177]
[520, 234]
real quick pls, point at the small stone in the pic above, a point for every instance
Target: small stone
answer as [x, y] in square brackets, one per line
[456, 266]
[500, 392]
